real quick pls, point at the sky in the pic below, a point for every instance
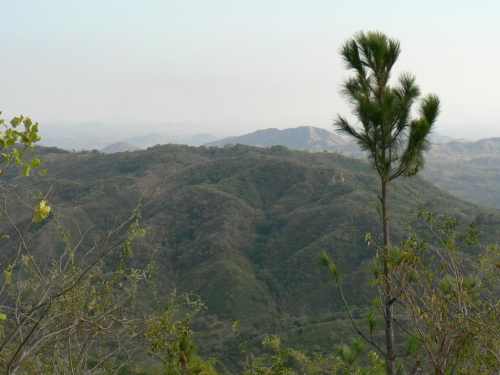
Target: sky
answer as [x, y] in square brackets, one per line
[232, 66]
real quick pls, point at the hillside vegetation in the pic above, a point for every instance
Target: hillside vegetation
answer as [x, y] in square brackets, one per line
[468, 170]
[242, 227]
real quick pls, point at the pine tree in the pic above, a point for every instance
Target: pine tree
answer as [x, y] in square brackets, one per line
[394, 141]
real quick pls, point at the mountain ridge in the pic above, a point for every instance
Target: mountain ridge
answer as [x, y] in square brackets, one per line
[468, 169]
[299, 138]
[118, 147]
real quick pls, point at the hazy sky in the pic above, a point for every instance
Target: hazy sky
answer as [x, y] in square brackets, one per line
[230, 66]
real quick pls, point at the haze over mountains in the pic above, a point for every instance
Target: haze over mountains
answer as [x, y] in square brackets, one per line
[300, 138]
[118, 147]
[98, 136]
[469, 170]
[308, 138]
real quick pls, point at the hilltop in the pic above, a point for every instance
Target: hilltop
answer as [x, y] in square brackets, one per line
[301, 138]
[118, 147]
[468, 170]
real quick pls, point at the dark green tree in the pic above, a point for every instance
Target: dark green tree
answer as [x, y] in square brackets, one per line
[393, 139]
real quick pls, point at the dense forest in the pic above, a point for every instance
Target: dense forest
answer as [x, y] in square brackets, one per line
[467, 169]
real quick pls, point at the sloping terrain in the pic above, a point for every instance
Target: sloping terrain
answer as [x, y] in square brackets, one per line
[301, 138]
[240, 226]
[468, 170]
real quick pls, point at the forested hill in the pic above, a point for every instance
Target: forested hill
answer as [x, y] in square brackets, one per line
[240, 226]
[468, 170]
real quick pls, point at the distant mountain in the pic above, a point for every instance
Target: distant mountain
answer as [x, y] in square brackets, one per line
[308, 138]
[198, 139]
[78, 136]
[469, 170]
[97, 136]
[462, 150]
[118, 147]
[153, 139]
[301, 138]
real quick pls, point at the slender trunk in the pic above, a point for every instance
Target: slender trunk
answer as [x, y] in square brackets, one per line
[388, 302]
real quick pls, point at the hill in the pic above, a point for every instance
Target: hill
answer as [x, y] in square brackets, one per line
[468, 170]
[154, 139]
[300, 138]
[118, 147]
[240, 226]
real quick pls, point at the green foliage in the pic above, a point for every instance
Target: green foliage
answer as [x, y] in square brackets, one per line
[393, 140]
[70, 313]
[41, 212]
[448, 299]
[448, 296]
[17, 136]
[280, 360]
[351, 358]
[384, 111]
[327, 262]
[346, 360]
[170, 338]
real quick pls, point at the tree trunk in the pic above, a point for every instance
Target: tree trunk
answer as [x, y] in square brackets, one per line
[388, 299]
